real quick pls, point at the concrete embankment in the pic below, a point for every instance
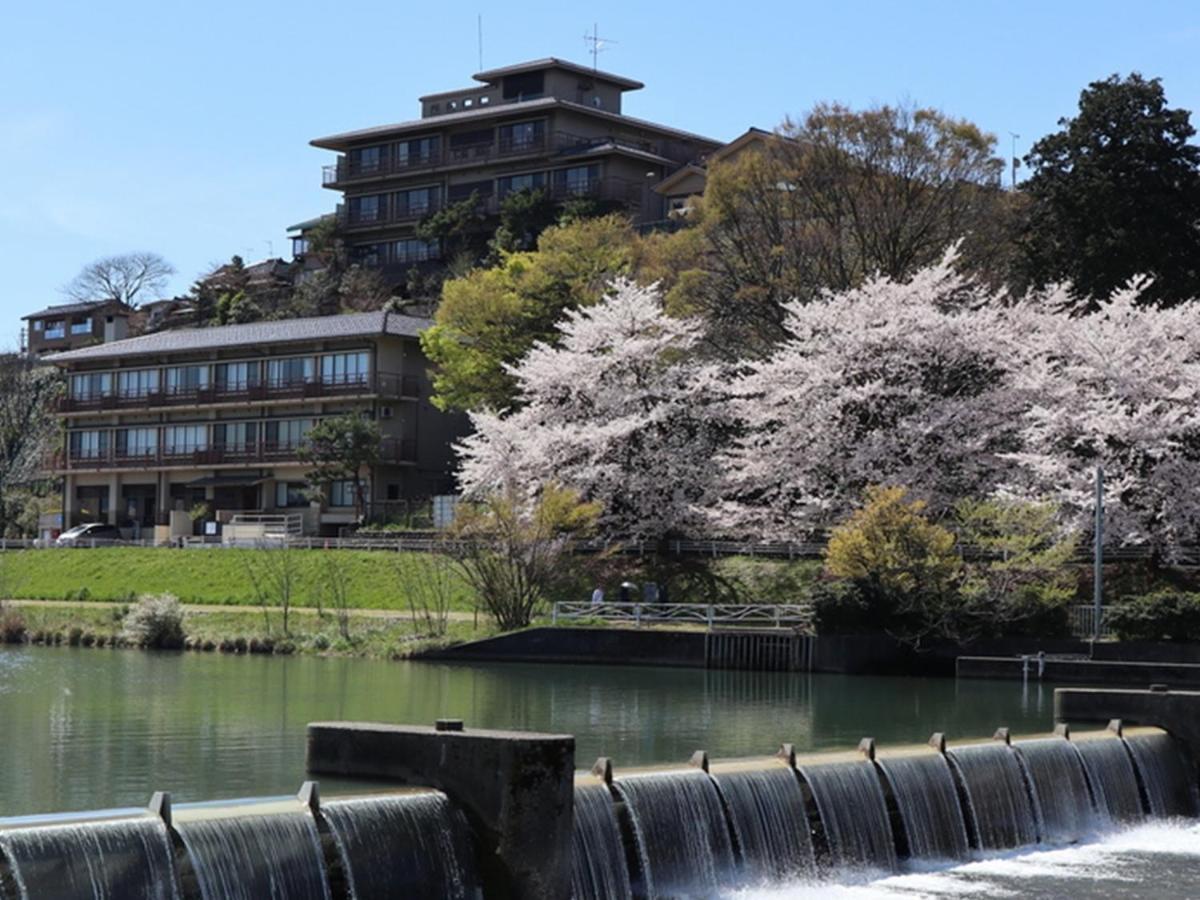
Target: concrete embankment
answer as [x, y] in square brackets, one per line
[1080, 671]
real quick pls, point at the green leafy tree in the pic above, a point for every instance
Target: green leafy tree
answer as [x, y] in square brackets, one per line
[490, 318]
[524, 215]
[1115, 193]
[458, 228]
[342, 448]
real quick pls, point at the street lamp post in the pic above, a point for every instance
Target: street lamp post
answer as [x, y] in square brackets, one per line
[1098, 557]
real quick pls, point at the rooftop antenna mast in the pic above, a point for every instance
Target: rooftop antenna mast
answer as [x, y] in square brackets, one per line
[479, 23]
[596, 44]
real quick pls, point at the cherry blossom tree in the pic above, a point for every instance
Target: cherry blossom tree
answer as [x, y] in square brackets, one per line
[619, 410]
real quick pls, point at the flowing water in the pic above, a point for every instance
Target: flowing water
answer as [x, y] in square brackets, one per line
[999, 807]
[929, 806]
[598, 867]
[99, 860]
[1169, 790]
[264, 856]
[1110, 773]
[682, 838]
[1060, 791]
[410, 845]
[854, 814]
[770, 823]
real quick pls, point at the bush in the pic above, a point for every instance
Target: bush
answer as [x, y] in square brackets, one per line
[1163, 615]
[839, 607]
[12, 625]
[156, 620]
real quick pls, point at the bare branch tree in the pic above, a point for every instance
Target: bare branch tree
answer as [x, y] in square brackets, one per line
[128, 278]
[274, 573]
[27, 427]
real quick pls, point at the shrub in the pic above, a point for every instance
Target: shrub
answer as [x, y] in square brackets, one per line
[1163, 615]
[12, 625]
[839, 607]
[156, 620]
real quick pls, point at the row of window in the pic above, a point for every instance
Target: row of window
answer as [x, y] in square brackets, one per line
[289, 494]
[95, 443]
[335, 368]
[515, 137]
[404, 252]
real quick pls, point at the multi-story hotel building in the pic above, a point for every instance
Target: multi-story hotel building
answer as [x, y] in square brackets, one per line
[548, 124]
[169, 431]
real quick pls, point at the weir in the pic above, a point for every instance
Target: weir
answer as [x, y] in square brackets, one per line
[689, 831]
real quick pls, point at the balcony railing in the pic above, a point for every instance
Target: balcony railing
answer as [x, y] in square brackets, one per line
[247, 453]
[398, 213]
[383, 384]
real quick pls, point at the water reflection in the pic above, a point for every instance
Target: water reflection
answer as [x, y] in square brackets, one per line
[85, 728]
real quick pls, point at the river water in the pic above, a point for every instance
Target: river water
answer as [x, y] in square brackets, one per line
[84, 728]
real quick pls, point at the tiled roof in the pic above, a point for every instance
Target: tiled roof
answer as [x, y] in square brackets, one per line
[285, 331]
[66, 309]
[553, 62]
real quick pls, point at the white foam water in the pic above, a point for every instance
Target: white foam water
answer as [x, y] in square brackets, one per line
[1156, 859]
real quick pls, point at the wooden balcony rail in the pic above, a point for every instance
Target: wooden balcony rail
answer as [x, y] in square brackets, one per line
[391, 450]
[384, 384]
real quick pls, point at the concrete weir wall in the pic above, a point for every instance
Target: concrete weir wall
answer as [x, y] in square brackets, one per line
[516, 789]
[1175, 712]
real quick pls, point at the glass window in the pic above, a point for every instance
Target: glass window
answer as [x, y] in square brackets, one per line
[290, 493]
[345, 368]
[290, 372]
[341, 493]
[368, 254]
[91, 386]
[37, 325]
[367, 209]
[527, 182]
[522, 136]
[417, 152]
[287, 434]
[84, 327]
[185, 438]
[239, 376]
[410, 250]
[235, 435]
[137, 383]
[364, 160]
[458, 192]
[417, 202]
[89, 444]
[186, 379]
[56, 328]
[137, 441]
[578, 179]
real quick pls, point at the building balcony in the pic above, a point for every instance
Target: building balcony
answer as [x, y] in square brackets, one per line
[393, 451]
[398, 215]
[381, 384]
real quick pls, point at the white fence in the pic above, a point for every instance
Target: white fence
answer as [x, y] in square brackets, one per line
[796, 616]
[1083, 622]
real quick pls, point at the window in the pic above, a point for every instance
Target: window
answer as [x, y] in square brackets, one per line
[290, 494]
[528, 182]
[299, 246]
[577, 180]
[290, 372]
[137, 383]
[137, 442]
[341, 493]
[89, 444]
[459, 192]
[368, 208]
[410, 250]
[525, 86]
[92, 386]
[287, 434]
[84, 327]
[522, 136]
[238, 376]
[37, 324]
[417, 152]
[471, 144]
[368, 254]
[185, 438]
[235, 435]
[186, 379]
[365, 160]
[415, 202]
[56, 328]
[345, 368]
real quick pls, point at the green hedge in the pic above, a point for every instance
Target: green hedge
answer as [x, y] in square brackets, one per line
[1160, 616]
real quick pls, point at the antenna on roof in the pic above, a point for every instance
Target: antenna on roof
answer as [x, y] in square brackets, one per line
[596, 43]
[479, 22]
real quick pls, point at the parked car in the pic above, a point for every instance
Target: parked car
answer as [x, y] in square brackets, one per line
[90, 535]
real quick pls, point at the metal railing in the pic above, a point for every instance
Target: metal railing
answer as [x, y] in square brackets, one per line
[1083, 622]
[797, 616]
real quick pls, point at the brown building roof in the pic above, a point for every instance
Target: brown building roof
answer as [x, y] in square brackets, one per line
[69, 309]
[552, 62]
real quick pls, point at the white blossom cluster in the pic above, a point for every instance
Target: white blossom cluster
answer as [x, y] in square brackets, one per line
[931, 383]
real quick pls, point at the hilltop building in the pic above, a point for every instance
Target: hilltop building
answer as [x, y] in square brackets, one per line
[69, 326]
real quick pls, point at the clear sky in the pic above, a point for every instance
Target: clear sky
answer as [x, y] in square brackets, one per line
[183, 127]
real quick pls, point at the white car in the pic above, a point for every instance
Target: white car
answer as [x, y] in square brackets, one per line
[93, 534]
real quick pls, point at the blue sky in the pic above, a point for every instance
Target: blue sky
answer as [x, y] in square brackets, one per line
[183, 127]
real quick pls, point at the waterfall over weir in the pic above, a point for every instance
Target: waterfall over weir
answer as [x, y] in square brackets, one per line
[1169, 790]
[255, 855]
[929, 808]
[411, 845]
[97, 860]
[1000, 809]
[679, 824]
[1110, 773]
[770, 824]
[598, 867]
[1060, 791]
[854, 813]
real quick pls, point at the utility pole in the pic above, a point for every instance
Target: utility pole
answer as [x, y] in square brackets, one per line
[1098, 557]
[1015, 163]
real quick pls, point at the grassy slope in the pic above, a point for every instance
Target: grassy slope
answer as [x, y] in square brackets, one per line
[205, 576]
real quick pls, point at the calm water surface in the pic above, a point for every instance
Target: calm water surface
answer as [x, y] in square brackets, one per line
[87, 728]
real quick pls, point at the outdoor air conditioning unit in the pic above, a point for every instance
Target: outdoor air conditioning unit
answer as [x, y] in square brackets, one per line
[385, 412]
